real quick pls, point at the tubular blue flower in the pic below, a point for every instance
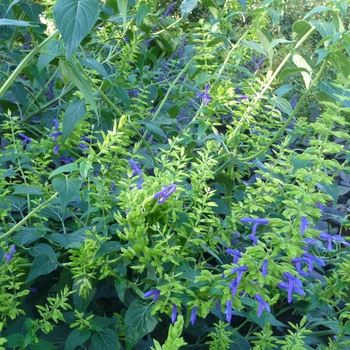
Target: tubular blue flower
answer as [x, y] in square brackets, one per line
[304, 224]
[294, 284]
[233, 286]
[293, 101]
[57, 124]
[135, 167]
[228, 311]
[194, 315]
[254, 239]
[205, 96]
[67, 160]
[155, 293]
[86, 139]
[11, 254]
[55, 135]
[256, 222]
[169, 11]
[56, 148]
[262, 304]
[174, 314]
[165, 193]
[83, 147]
[297, 262]
[239, 271]
[236, 255]
[25, 138]
[264, 268]
[139, 184]
[33, 290]
[330, 238]
[310, 259]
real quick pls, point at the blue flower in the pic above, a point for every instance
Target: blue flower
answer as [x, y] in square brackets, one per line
[293, 284]
[56, 148]
[205, 96]
[174, 314]
[264, 267]
[67, 160]
[194, 315]
[297, 262]
[139, 184]
[256, 222]
[262, 304]
[57, 124]
[254, 239]
[236, 255]
[55, 135]
[25, 138]
[228, 311]
[165, 193]
[155, 293]
[293, 101]
[233, 286]
[11, 254]
[239, 271]
[169, 11]
[304, 224]
[310, 259]
[135, 167]
[330, 238]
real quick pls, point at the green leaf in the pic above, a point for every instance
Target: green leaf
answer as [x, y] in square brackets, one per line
[22, 189]
[300, 62]
[243, 3]
[300, 28]
[340, 62]
[254, 46]
[275, 42]
[53, 49]
[331, 190]
[186, 7]
[32, 11]
[291, 71]
[105, 340]
[42, 265]
[74, 20]
[68, 168]
[265, 38]
[142, 11]
[77, 338]
[14, 340]
[334, 92]
[71, 72]
[94, 65]
[138, 322]
[12, 22]
[317, 9]
[43, 248]
[42, 344]
[321, 53]
[342, 6]
[283, 90]
[275, 16]
[121, 285]
[324, 28]
[123, 9]
[106, 248]
[282, 104]
[153, 128]
[20, 93]
[67, 189]
[75, 112]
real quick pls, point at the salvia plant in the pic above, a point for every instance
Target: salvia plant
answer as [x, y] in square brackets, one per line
[174, 175]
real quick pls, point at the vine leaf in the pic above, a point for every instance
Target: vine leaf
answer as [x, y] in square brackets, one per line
[75, 19]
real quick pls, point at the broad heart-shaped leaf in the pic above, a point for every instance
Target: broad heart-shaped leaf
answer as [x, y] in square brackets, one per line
[139, 322]
[68, 168]
[42, 265]
[282, 104]
[105, 340]
[77, 338]
[75, 19]
[53, 49]
[75, 112]
[32, 11]
[66, 188]
[186, 7]
[71, 72]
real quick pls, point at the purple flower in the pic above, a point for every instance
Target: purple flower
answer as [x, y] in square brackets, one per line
[56, 148]
[155, 293]
[169, 11]
[293, 284]
[194, 315]
[262, 304]
[264, 267]
[11, 254]
[165, 193]
[55, 135]
[233, 286]
[319, 206]
[25, 138]
[86, 139]
[304, 224]
[139, 184]
[57, 124]
[83, 147]
[297, 262]
[293, 101]
[236, 255]
[228, 311]
[67, 160]
[33, 290]
[256, 222]
[254, 239]
[205, 96]
[174, 314]
[239, 271]
[310, 259]
[135, 167]
[330, 238]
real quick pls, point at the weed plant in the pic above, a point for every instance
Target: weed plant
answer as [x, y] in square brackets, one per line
[174, 175]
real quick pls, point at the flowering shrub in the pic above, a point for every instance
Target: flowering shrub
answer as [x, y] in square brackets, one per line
[174, 175]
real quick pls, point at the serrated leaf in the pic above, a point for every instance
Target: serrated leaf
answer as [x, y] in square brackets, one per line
[282, 104]
[53, 49]
[42, 265]
[105, 340]
[275, 16]
[300, 62]
[68, 168]
[275, 42]
[139, 322]
[22, 189]
[186, 7]
[76, 338]
[331, 190]
[17, 204]
[71, 72]
[12, 22]
[74, 20]
[120, 285]
[283, 90]
[334, 92]
[14, 340]
[67, 189]
[75, 112]
[321, 53]
[317, 9]
[324, 28]
[42, 344]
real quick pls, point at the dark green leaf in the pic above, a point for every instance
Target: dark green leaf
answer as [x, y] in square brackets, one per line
[22, 189]
[20, 93]
[120, 92]
[142, 11]
[107, 248]
[53, 49]
[139, 322]
[68, 168]
[74, 20]
[153, 128]
[121, 285]
[32, 11]
[331, 190]
[290, 71]
[283, 90]
[43, 248]
[186, 7]
[12, 22]
[42, 265]
[14, 340]
[75, 112]
[334, 92]
[77, 338]
[340, 62]
[324, 28]
[243, 3]
[17, 204]
[317, 9]
[300, 28]
[254, 46]
[42, 345]
[94, 65]
[105, 340]
[67, 189]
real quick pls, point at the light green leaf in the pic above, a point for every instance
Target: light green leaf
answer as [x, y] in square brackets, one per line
[142, 11]
[68, 168]
[67, 189]
[123, 9]
[282, 104]
[300, 62]
[75, 112]
[275, 42]
[283, 90]
[324, 28]
[266, 38]
[291, 71]
[105, 340]
[186, 7]
[94, 65]
[42, 265]
[340, 62]
[75, 19]
[275, 16]
[334, 92]
[23, 189]
[138, 322]
[317, 9]
[255, 46]
[300, 28]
